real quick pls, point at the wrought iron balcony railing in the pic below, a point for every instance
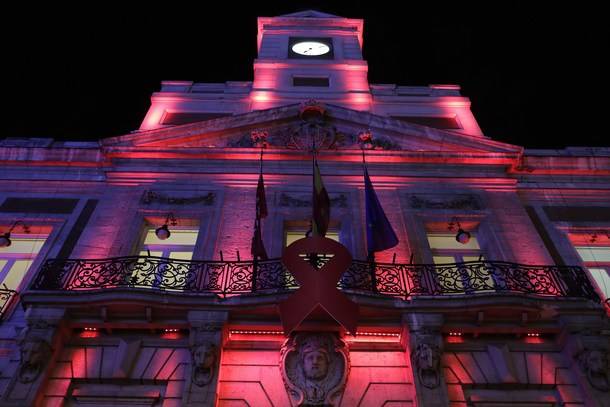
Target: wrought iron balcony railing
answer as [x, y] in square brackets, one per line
[6, 296]
[227, 278]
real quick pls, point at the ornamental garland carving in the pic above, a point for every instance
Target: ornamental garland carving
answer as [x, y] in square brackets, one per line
[293, 202]
[314, 367]
[309, 133]
[461, 202]
[149, 197]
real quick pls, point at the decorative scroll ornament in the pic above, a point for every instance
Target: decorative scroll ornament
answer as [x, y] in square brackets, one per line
[204, 359]
[35, 353]
[426, 358]
[294, 202]
[594, 363]
[462, 202]
[314, 368]
[151, 196]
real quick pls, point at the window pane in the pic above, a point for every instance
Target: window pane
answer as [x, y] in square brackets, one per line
[21, 254]
[443, 259]
[177, 237]
[26, 246]
[447, 241]
[181, 255]
[152, 253]
[594, 254]
[602, 278]
[16, 273]
[472, 258]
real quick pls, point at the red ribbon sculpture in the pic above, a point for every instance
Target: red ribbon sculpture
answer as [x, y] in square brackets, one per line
[318, 287]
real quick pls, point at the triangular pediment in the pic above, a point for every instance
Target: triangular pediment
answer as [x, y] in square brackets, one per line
[339, 130]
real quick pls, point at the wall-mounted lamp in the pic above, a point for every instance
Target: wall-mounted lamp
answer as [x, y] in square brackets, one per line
[5, 239]
[365, 138]
[461, 236]
[162, 232]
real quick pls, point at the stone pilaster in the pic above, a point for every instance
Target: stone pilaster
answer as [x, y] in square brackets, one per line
[586, 347]
[424, 344]
[38, 343]
[207, 335]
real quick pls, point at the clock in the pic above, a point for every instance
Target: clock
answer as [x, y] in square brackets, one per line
[310, 48]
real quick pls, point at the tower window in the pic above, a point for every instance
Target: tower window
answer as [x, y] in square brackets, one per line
[310, 81]
[449, 123]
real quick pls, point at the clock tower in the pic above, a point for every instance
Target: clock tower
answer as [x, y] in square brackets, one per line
[307, 53]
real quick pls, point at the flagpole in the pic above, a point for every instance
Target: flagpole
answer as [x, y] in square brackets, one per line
[370, 254]
[257, 225]
[313, 257]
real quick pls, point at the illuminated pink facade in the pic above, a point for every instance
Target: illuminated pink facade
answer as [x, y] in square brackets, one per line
[97, 311]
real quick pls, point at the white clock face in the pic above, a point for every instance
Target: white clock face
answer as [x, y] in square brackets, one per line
[310, 48]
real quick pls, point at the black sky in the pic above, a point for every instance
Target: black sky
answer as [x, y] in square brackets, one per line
[536, 77]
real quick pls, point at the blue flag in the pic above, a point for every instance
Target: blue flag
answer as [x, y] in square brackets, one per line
[379, 233]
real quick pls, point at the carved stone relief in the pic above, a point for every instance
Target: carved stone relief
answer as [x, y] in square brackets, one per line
[594, 363]
[204, 359]
[149, 197]
[304, 135]
[35, 352]
[438, 202]
[314, 367]
[426, 359]
[339, 201]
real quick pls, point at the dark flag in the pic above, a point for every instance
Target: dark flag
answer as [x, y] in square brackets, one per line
[379, 233]
[258, 247]
[261, 200]
[321, 204]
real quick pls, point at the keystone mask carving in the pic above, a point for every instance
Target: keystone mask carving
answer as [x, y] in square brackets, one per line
[314, 367]
[204, 357]
[426, 359]
[35, 352]
[594, 363]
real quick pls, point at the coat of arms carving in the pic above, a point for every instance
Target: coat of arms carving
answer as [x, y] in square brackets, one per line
[314, 367]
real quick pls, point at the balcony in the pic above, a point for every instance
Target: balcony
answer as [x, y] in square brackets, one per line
[231, 278]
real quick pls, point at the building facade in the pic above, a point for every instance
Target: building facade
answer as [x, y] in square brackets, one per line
[97, 309]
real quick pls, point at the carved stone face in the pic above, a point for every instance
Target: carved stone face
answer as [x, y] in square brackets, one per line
[315, 364]
[204, 356]
[597, 362]
[32, 353]
[427, 357]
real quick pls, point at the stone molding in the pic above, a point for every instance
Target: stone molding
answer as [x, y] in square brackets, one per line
[149, 197]
[291, 201]
[461, 202]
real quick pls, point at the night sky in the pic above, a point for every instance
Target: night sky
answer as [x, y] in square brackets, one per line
[536, 77]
